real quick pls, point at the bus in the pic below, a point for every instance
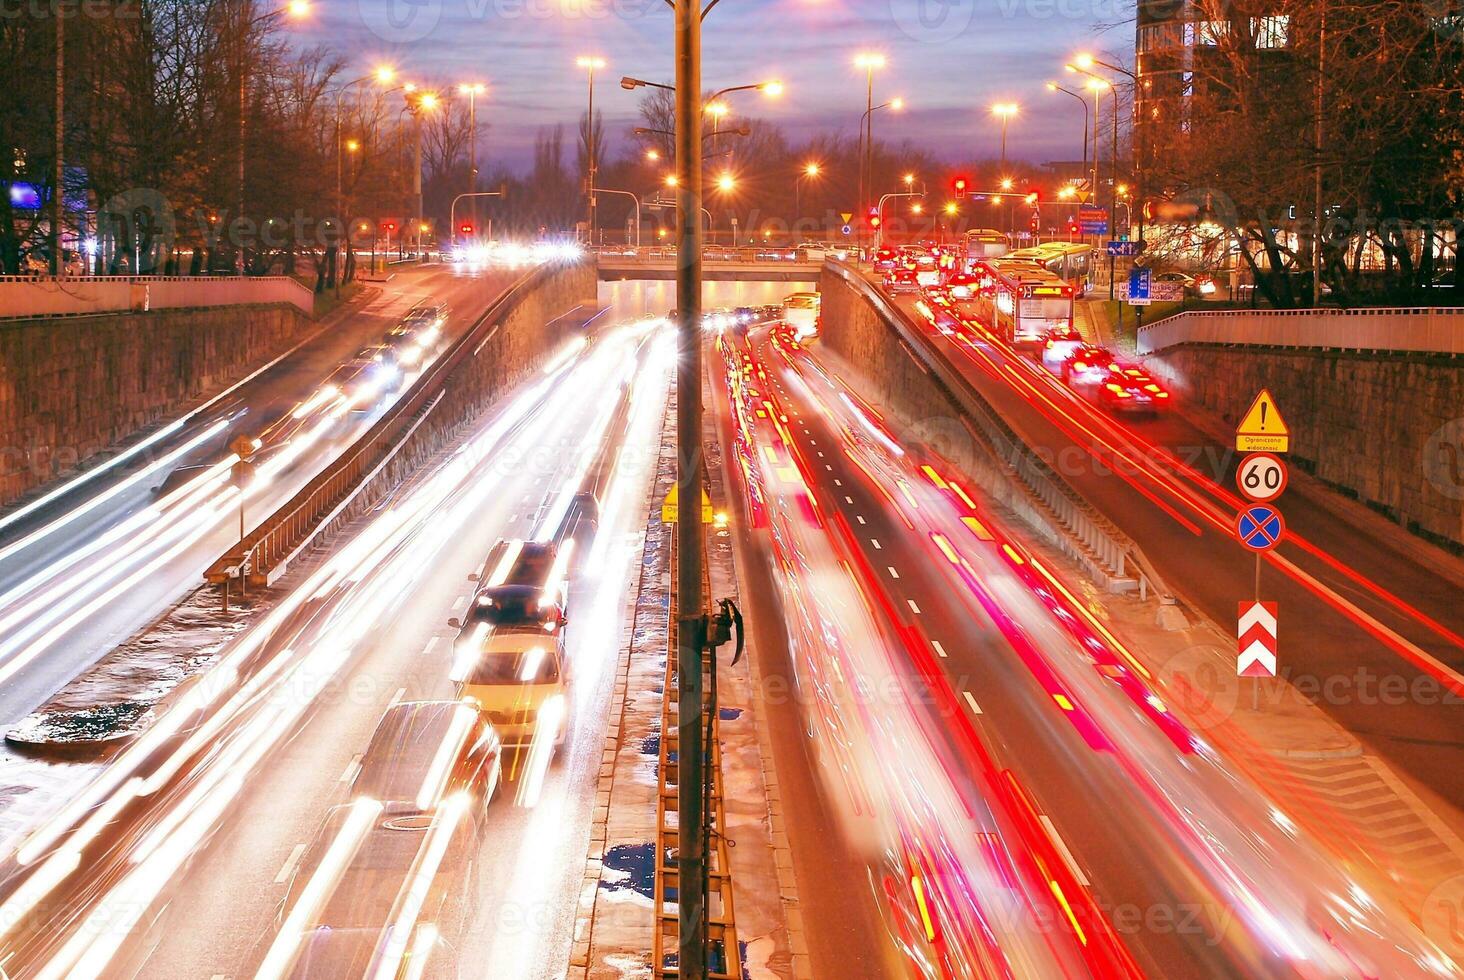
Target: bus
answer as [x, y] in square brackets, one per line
[985, 243]
[800, 311]
[1022, 301]
[1069, 261]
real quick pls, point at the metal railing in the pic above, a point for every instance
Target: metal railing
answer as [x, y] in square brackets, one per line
[1423, 330]
[1013, 473]
[711, 253]
[266, 552]
[724, 961]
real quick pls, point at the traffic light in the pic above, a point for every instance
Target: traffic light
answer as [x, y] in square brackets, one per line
[874, 219]
[1073, 228]
[959, 186]
[1036, 222]
[466, 229]
[390, 227]
[1034, 197]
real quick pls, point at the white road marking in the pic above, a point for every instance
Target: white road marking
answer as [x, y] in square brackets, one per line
[893, 573]
[941, 650]
[1062, 846]
[860, 518]
[290, 863]
[913, 608]
[351, 769]
[828, 467]
[397, 697]
[820, 454]
[975, 708]
[877, 545]
[848, 499]
[838, 483]
[459, 604]
[431, 646]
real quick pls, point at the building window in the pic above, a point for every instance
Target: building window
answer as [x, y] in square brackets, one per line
[1271, 32]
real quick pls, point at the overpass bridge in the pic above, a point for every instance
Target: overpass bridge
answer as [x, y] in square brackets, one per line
[718, 264]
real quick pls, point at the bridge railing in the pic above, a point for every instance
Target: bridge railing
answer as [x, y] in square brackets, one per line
[1434, 330]
[656, 254]
[31, 296]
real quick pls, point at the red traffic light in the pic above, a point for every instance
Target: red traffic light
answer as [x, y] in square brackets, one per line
[874, 218]
[466, 228]
[959, 185]
[390, 227]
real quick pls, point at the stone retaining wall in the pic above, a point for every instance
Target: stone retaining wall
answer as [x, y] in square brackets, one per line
[72, 386]
[1386, 428]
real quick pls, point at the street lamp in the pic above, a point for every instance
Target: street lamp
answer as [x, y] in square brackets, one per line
[870, 61]
[418, 103]
[1004, 111]
[810, 171]
[472, 90]
[1054, 87]
[590, 63]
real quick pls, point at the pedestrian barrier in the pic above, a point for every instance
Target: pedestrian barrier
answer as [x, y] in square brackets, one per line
[29, 296]
[1424, 330]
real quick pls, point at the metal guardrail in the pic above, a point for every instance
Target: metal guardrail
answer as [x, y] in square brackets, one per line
[1042, 497]
[725, 959]
[711, 253]
[266, 552]
[1420, 330]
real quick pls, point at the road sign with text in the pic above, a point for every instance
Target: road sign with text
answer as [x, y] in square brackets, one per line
[1256, 634]
[1141, 284]
[1263, 430]
[1093, 221]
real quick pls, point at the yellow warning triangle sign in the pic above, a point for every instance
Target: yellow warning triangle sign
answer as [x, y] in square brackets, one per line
[848, 216]
[1263, 430]
[668, 506]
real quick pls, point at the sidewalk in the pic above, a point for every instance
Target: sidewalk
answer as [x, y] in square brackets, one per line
[616, 919]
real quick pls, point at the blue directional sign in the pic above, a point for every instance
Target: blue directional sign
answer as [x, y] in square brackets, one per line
[1141, 284]
[1123, 249]
[1260, 527]
[1093, 221]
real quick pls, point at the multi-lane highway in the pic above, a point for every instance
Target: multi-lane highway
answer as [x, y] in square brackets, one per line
[1364, 613]
[953, 683]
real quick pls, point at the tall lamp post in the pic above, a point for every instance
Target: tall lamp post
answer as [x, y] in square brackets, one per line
[870, 61]
[1083, 101]
[867, 125]
[591, 63]
[1004, 111]
[472, 90]
[1086, 62]
[1099, 84]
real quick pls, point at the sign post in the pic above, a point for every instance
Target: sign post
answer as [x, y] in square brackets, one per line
[1262, 479]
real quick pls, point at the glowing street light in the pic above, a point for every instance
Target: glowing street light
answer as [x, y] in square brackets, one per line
[653, 155]
[1004, 111]
[726, 182]
[384, 74]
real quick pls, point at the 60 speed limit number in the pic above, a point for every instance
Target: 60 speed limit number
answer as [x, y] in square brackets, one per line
[1261, 477]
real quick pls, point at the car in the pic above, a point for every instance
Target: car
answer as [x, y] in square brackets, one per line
[899, 281]
[812, 251]
[1192, 285]
[1058, 346]
[1086, 363]
[374, 370]
[1128, 388]
[961, 286]
[424, 751]
[413, 821]
[509, 656]
[885, 259]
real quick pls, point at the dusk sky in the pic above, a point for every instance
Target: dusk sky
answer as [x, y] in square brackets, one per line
[949, 59]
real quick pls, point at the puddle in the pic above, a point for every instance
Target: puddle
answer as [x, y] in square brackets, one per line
[630, 867]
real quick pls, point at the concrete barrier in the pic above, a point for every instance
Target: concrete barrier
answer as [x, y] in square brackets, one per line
[26, 296]
[1427, 330]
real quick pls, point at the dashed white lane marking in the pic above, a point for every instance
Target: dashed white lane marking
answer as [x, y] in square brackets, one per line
[860, 518]
[290, 863]
[848, 499]
[891, 570]
[397, 697]
[352, 768]
[913, 608]
[820, 454]
[1067, 855]
[838, 483]
[459, 604]
[877, 545]
[829, 467]
[941, 650]
[975, 708]
[431, 646]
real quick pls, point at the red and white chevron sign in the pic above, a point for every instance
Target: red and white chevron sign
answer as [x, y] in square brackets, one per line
[1257, 635]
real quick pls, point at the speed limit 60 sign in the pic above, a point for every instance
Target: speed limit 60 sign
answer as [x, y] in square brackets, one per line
[1261, 477]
